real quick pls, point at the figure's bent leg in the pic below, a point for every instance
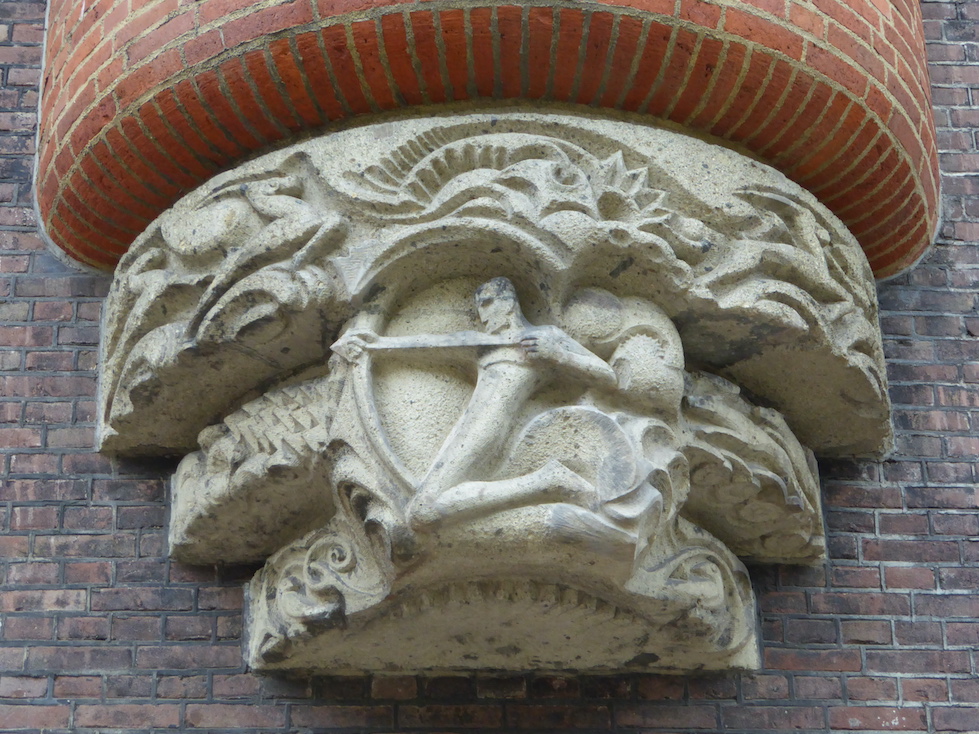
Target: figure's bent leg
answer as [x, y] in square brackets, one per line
[484, 427]
[553, 482]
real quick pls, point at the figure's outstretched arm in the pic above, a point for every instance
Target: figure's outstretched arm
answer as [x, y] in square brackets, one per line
[558, 348]
[355, 342]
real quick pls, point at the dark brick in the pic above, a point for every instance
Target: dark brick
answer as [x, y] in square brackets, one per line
[859, 688]
[924, 689]
[917, 661]
[347, 717]
[142, 599]
[523, 716]
[867, 632]
[341, 688]
[811, 631]
[227, 716]
[954, 718]
[606, 687]
[188, 657]
[765, 687]
[456, 716]
[554, 687]
[660, 688]
[876, 717]
[510, 686]
[66, 659]
[776, 718]
[454, 687]
[715, 688]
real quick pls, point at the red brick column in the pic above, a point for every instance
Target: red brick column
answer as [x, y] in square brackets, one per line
[145, 100]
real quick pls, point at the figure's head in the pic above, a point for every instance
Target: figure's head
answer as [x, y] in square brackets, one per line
[497, 306]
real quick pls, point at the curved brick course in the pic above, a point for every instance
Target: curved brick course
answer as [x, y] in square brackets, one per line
[142, 103]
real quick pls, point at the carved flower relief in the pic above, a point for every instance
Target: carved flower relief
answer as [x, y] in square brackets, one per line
[534, 322]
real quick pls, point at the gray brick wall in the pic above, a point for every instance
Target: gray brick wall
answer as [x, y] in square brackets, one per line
[100, 631]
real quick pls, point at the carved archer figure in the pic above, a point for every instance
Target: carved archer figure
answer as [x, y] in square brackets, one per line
[514, 358]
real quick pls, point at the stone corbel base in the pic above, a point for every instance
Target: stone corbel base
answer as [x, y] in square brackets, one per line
[496, 391]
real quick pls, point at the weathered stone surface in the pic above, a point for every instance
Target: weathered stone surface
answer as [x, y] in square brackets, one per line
[547, 367]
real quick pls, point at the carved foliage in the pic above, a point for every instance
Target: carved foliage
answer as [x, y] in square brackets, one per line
[496, 365]
[253, 276]
[598, 444]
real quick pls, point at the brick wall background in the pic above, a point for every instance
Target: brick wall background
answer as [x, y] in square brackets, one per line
[99, 631]
[148, 98]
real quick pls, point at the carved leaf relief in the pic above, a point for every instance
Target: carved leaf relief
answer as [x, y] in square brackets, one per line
[549, 367]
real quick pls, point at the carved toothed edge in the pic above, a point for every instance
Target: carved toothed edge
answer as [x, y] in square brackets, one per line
[742, 454]
[576, 610]
[511, 590]
[267, 453]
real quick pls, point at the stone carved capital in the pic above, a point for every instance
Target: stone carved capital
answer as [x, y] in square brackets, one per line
[472, 385]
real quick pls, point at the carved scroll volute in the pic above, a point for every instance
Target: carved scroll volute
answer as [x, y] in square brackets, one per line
[545, 368]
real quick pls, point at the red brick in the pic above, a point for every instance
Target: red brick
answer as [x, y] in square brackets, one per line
[128, 716]
[23, 687]
[146, 628]
[28, 628]
[776, 718]
[159, 37]
[142, 599]
[606, 687]
[924, 689]
[186, 657]
[867, 632]
[871, 689]
[43, 600]
[670, 716]
[181, 686]
[923, 551]
[34, 518]
[78, 686]
[359, 717]
[883, 718]
[686, 44]
[917, 661]
[395, 41]
[909, 578]
[266, 21]
[235, 686]
[658, 40]
[34, 716]
[831, 660]
[366, 37]
[481, 40]
[32, 573]
[65, 659]
[956, 718]
[83, 628]
[455, 43]
[429, 55]
[227, 716]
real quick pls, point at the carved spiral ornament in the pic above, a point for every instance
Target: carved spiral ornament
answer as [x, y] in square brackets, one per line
[468, 384]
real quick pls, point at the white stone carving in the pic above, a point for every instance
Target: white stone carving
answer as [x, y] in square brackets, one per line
[497, 391]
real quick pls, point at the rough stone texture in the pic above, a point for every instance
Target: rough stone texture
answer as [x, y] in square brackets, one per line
[506, 445]
[252, 275]
[145, 101]
[100, 632]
